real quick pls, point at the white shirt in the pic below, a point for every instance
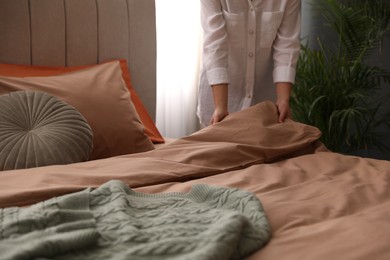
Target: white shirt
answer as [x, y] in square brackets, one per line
[249, 44]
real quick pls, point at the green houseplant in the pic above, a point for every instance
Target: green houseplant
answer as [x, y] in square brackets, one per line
[336, 88]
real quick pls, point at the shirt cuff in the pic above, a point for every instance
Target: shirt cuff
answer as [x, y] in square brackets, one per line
[217, 76]
[284, 74]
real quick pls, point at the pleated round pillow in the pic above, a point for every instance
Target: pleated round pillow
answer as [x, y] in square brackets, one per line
[38, 129]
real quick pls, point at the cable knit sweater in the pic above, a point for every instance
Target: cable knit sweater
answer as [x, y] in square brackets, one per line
[116, 222]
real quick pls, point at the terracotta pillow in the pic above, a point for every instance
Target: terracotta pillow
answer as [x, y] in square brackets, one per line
[38, 129]
[101, 96]
[15, 70]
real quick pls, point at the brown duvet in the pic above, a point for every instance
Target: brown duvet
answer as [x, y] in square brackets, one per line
[321, 205]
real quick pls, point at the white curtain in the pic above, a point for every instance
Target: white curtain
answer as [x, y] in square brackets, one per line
[178, 62]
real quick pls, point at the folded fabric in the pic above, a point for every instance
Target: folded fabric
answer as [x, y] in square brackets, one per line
[116, 222]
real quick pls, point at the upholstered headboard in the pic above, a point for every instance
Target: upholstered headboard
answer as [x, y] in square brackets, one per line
[83, 32]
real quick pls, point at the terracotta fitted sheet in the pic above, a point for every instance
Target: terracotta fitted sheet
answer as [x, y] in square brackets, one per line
[321, 205]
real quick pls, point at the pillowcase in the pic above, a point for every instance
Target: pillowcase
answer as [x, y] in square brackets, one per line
[14, 70]
[38, 129]
[101, 96]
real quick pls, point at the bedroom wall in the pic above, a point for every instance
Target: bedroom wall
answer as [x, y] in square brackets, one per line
[312, 27]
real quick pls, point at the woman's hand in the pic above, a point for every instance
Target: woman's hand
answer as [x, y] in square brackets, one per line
[220, 94]
[283, 110]
[283, 92]
[218, 116]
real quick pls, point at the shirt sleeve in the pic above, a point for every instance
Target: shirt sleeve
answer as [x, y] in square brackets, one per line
[215, 46]
[287, 43]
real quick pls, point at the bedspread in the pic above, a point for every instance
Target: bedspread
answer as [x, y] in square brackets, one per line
[320, 205]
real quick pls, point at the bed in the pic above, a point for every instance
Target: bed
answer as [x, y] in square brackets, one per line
[277, 191]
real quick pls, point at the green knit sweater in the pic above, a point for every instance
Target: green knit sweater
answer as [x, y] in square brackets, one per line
[116, 222]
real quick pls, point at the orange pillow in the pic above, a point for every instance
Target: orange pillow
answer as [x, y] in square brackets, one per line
[16, 70]
[100, 94]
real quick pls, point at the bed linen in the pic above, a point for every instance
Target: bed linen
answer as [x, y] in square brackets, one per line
[320, 205]
[21, 71]
[100, 94]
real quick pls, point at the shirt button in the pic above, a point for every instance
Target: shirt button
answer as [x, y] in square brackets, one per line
[250, 54]
[249, 96]
[251, 9]
[251, 31]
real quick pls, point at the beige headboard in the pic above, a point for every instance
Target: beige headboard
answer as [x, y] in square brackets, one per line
[82, 32]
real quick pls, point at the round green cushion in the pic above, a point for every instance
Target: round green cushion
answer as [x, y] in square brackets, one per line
[38, 129]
